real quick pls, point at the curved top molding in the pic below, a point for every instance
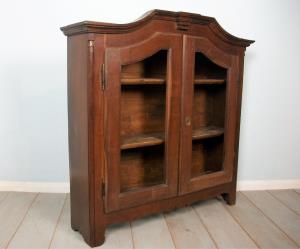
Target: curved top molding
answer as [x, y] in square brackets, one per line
[182, 19]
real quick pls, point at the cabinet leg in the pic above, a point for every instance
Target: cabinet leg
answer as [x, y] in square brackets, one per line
[99, 237]
[75, 229]
[97, 241]
[230, 197]
[74, 225]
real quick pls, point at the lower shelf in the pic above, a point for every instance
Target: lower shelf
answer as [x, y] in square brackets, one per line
[150, 139]
[142, 168]
[207, 156]
[207, 132]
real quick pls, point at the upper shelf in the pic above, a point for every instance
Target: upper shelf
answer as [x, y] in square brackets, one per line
[209, 81]
[150, 139]
[143, 81]
[159, 81]
[183, 21]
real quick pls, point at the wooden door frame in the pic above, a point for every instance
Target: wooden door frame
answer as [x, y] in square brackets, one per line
[114, 58]
[191, 45]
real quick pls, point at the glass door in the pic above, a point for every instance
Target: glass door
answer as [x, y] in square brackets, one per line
[206, 155]
[143, 105]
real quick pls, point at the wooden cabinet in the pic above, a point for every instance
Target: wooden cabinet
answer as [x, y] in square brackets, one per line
[154, 110]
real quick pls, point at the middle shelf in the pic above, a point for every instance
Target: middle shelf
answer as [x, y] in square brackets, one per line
[161, 81]
[150, 139]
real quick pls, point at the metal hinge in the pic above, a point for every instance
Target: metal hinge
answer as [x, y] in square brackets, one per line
[91, 44]
[103, 79]
[103, 188]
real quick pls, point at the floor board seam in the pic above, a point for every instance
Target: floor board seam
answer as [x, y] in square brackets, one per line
[283, 203]
[206, 228]
[131, 232]
[57, 222]
[296, 191]
[237, 221]
[273, 222]
[5, 196]
[21, 222]
[169, 231]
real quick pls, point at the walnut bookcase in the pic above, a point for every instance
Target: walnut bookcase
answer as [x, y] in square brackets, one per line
[154, 112]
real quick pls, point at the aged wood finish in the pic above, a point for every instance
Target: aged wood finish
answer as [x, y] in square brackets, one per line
[206, 106]
[154, 110]
[142, 111]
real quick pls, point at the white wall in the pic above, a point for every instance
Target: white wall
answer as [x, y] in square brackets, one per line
[33, 103]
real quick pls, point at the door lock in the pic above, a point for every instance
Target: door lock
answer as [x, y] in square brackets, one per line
[188, 121]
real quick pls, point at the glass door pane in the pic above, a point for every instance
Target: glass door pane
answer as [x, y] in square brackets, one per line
[143, 109]
[206, 151]
[142, 121]
[208, 115]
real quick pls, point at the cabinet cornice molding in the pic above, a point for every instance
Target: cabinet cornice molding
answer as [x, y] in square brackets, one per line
[183, 21]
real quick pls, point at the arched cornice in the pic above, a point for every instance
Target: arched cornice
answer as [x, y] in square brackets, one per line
[183, 21]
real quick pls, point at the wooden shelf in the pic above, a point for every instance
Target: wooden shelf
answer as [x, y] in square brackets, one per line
[150, 139]
[143, 81]
[207, 132]
[160, 81]
[142, 140]
[209, 81]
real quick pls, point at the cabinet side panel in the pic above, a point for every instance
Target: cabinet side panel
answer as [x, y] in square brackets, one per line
[78, 133]
[240, 62]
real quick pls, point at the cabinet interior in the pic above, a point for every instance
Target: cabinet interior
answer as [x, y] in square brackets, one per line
[143, 104]
[207, 156]
[207, 69]
[208, 113]
[151, 70]
[142, 167]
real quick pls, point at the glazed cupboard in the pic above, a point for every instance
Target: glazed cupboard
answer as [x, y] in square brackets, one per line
[154, 113]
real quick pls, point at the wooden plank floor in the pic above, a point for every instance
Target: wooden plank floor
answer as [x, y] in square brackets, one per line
[260, 219]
